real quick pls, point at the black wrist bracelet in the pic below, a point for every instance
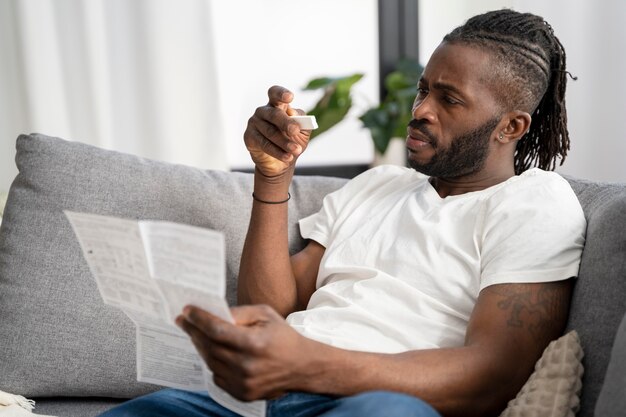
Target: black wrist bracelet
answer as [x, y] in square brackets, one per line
[271, 202]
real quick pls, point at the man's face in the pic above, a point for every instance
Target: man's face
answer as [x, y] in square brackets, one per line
[455, 114]
[464, 155]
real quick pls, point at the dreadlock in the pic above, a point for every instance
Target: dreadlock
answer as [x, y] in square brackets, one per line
[530, 65]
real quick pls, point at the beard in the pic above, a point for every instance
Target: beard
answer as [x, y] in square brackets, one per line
[465, 155]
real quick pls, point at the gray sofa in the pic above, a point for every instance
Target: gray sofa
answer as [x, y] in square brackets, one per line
[60, 345]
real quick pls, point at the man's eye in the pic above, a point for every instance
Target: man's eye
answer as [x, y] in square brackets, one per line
[450, 100]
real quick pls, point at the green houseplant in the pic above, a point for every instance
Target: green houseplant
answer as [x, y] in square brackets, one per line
[385, 121]
[335, 103]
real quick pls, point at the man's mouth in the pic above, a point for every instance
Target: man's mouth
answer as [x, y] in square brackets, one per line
[416, 140]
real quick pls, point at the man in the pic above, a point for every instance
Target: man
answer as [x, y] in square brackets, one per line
[444, 287]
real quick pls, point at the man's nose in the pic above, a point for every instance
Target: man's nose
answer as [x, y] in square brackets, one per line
[423, 109]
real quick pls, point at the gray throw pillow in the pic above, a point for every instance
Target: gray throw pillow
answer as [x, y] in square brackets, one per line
[58, 338]
[612, 399]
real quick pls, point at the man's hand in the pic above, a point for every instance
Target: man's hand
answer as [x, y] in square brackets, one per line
[260, 356]
[266, 275]
[272, 138]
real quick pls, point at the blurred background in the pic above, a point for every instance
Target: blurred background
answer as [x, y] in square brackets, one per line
[176, 80]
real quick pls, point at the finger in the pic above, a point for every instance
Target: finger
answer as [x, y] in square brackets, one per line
[222, 383]
[212, 327]
[223, 356]
[302, 136]
[200, 341]
[193, 331]
[277, 137]
[216, 356]
[206, 345]
[279, 97]
[231, 387]
[278, 118]
[250, 315]
[267, 147]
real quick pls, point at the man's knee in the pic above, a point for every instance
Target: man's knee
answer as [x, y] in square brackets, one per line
[382, 403]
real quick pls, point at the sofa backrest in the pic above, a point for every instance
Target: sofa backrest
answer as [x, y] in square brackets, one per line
[599, 298]
[63, 341]
[58, 338]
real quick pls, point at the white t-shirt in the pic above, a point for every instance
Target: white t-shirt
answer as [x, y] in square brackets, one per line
[403, 267]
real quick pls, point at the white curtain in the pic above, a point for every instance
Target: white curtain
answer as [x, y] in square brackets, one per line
[135, 76]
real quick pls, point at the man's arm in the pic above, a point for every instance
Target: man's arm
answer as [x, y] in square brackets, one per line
[262, 357]
[267, 274]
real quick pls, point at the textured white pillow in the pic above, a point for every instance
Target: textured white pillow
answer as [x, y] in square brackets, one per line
[554, 387]
[3, 200]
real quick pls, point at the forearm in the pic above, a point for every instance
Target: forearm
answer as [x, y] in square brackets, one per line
[265, 273]
[457, 381]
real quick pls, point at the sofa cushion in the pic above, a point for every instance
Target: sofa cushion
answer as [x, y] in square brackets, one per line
[612, 399]
[58, 337]
[599, 298]
[74, 407]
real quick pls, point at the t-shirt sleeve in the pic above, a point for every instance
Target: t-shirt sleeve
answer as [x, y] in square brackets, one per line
[532, 232]
[319, 226]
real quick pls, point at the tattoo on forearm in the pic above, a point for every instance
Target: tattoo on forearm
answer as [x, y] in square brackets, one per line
[541, 310]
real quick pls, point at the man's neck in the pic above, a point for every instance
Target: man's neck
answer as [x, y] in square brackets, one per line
[475, 182]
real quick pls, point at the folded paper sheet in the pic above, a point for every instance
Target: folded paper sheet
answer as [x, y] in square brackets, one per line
[151, 270]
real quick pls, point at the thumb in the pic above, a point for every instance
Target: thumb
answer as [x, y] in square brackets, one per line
[281, 97]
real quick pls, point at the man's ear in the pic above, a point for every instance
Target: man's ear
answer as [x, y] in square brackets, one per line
[515, 125]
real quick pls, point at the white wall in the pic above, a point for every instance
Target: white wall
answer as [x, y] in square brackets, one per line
[178, 81]
[594, 37]
[439, 17]
[289, 42]
[261, 43]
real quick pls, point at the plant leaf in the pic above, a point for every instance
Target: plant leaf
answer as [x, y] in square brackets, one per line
[401, 91]
[334, 104]
[318, 83]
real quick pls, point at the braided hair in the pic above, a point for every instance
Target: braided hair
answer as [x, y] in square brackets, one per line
[529, 74]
